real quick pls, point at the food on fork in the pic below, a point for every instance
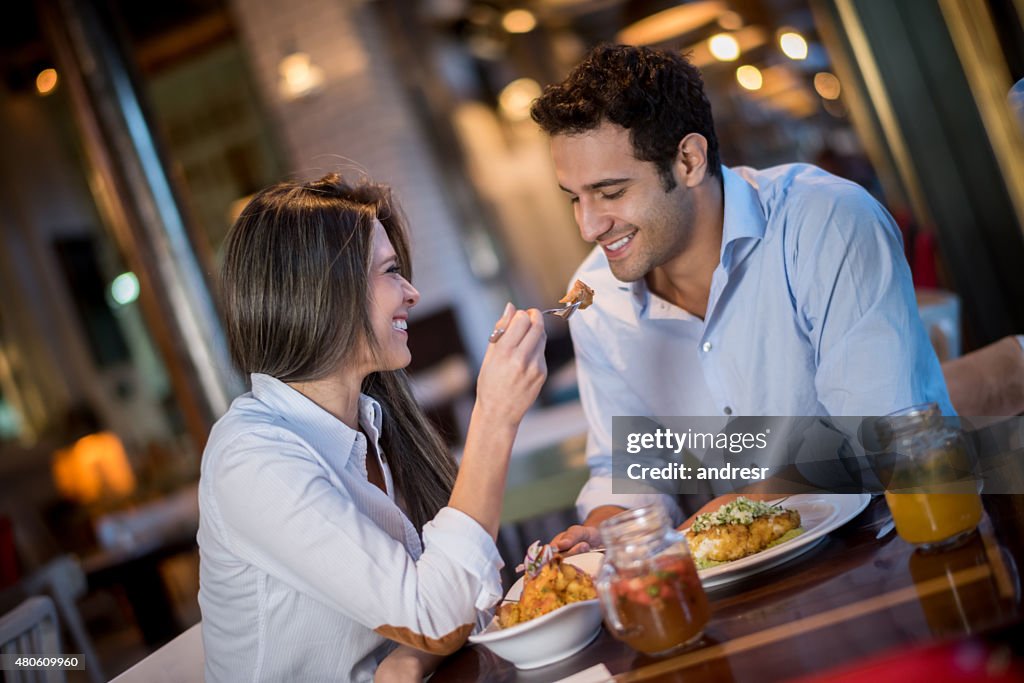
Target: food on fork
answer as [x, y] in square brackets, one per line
[549, 583]
[740, 528]
[581, 293]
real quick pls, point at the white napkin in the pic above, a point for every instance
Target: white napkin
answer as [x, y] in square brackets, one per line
[598, 673]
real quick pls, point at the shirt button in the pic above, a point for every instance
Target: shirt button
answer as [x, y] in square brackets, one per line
[706, 346]
[728, 410]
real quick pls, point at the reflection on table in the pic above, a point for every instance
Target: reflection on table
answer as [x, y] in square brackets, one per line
[852, 597]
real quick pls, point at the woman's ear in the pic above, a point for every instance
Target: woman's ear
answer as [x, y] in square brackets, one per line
[692, 156]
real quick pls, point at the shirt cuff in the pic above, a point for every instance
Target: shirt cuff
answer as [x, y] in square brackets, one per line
[1020, 340]
[598, 491]
[463, 541]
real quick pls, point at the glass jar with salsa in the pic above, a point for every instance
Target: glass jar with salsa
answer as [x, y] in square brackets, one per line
[650, 593]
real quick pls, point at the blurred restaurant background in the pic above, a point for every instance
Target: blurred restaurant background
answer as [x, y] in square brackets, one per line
[133, 133]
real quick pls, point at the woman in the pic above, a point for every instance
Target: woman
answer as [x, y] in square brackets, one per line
[334, 523]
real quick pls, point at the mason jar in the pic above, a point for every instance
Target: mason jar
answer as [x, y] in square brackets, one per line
[931, 490]
[651, 596]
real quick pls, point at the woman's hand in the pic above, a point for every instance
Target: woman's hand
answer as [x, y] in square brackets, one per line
[514, 368]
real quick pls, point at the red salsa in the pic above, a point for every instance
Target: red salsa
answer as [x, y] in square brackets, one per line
[662, 608]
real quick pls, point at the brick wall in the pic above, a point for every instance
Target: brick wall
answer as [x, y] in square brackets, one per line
[359, 122]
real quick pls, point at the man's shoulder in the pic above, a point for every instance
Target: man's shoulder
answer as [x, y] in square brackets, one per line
[804, 189]
[807, 205]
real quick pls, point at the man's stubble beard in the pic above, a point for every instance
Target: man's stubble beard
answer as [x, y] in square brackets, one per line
[678, 233]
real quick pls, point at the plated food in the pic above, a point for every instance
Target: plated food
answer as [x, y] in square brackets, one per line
[550, 637]
[580, 293]
[549, 583]
[739, 529]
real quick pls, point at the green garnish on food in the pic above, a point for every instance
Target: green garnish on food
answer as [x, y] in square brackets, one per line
[740, 511]
[791, 534]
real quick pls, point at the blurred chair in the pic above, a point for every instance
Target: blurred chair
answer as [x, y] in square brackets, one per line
[31, 628]
[62, 582]
[180, 661]
[989, 381]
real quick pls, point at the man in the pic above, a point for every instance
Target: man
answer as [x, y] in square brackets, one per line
[718, 291]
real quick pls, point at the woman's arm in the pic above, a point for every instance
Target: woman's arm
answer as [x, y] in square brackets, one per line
[406, 665]
[272, 502]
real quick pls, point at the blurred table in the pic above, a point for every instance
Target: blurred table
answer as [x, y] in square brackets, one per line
[135, 543]
[544, 480]
[850, 598]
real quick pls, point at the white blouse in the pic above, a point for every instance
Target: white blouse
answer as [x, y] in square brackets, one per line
[308, 571]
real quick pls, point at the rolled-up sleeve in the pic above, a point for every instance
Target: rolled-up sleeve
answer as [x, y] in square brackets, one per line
[280, 510]
[873, 355]
[455, 534]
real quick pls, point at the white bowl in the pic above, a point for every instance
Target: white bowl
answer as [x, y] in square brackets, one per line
[549, 638]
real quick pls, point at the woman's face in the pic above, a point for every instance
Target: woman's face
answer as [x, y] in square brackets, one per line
[391, 297]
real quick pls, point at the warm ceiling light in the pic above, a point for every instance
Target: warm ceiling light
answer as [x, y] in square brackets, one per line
[748, 38]
[46, 81]
[724, 47]
[827, 85]
[516, 97]
[519, 21]
[749, 77]
[793, 45]
[298, 76]
[671, 23]
[731, 21]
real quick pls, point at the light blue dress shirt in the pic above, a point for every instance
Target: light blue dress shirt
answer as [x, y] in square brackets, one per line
[811, 312]
[303, 560]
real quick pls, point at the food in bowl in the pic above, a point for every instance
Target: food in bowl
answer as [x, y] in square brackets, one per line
[580, 293]
[549, 583]
[738, 529]
[549, 638]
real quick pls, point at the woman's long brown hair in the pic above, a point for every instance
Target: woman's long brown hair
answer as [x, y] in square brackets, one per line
[296, 300]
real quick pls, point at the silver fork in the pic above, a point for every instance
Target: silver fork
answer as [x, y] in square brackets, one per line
[564, 313]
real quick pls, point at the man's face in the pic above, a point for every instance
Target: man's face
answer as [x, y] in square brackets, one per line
[620, 202]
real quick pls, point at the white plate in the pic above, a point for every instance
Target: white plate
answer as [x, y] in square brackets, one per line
[551, 637]
[820, 513]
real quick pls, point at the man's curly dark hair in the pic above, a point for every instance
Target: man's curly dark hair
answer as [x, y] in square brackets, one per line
[657, 96]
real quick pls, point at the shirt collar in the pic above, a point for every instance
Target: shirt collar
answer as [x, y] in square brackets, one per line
[326, 433]
[744, 221]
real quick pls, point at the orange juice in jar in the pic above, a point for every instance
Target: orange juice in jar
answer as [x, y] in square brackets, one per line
[650, 592]
[930, 518]
[931, 493]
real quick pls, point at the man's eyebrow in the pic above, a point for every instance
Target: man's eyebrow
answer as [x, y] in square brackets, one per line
[607, 182]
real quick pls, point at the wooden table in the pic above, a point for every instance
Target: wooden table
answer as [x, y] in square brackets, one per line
[850, 598]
